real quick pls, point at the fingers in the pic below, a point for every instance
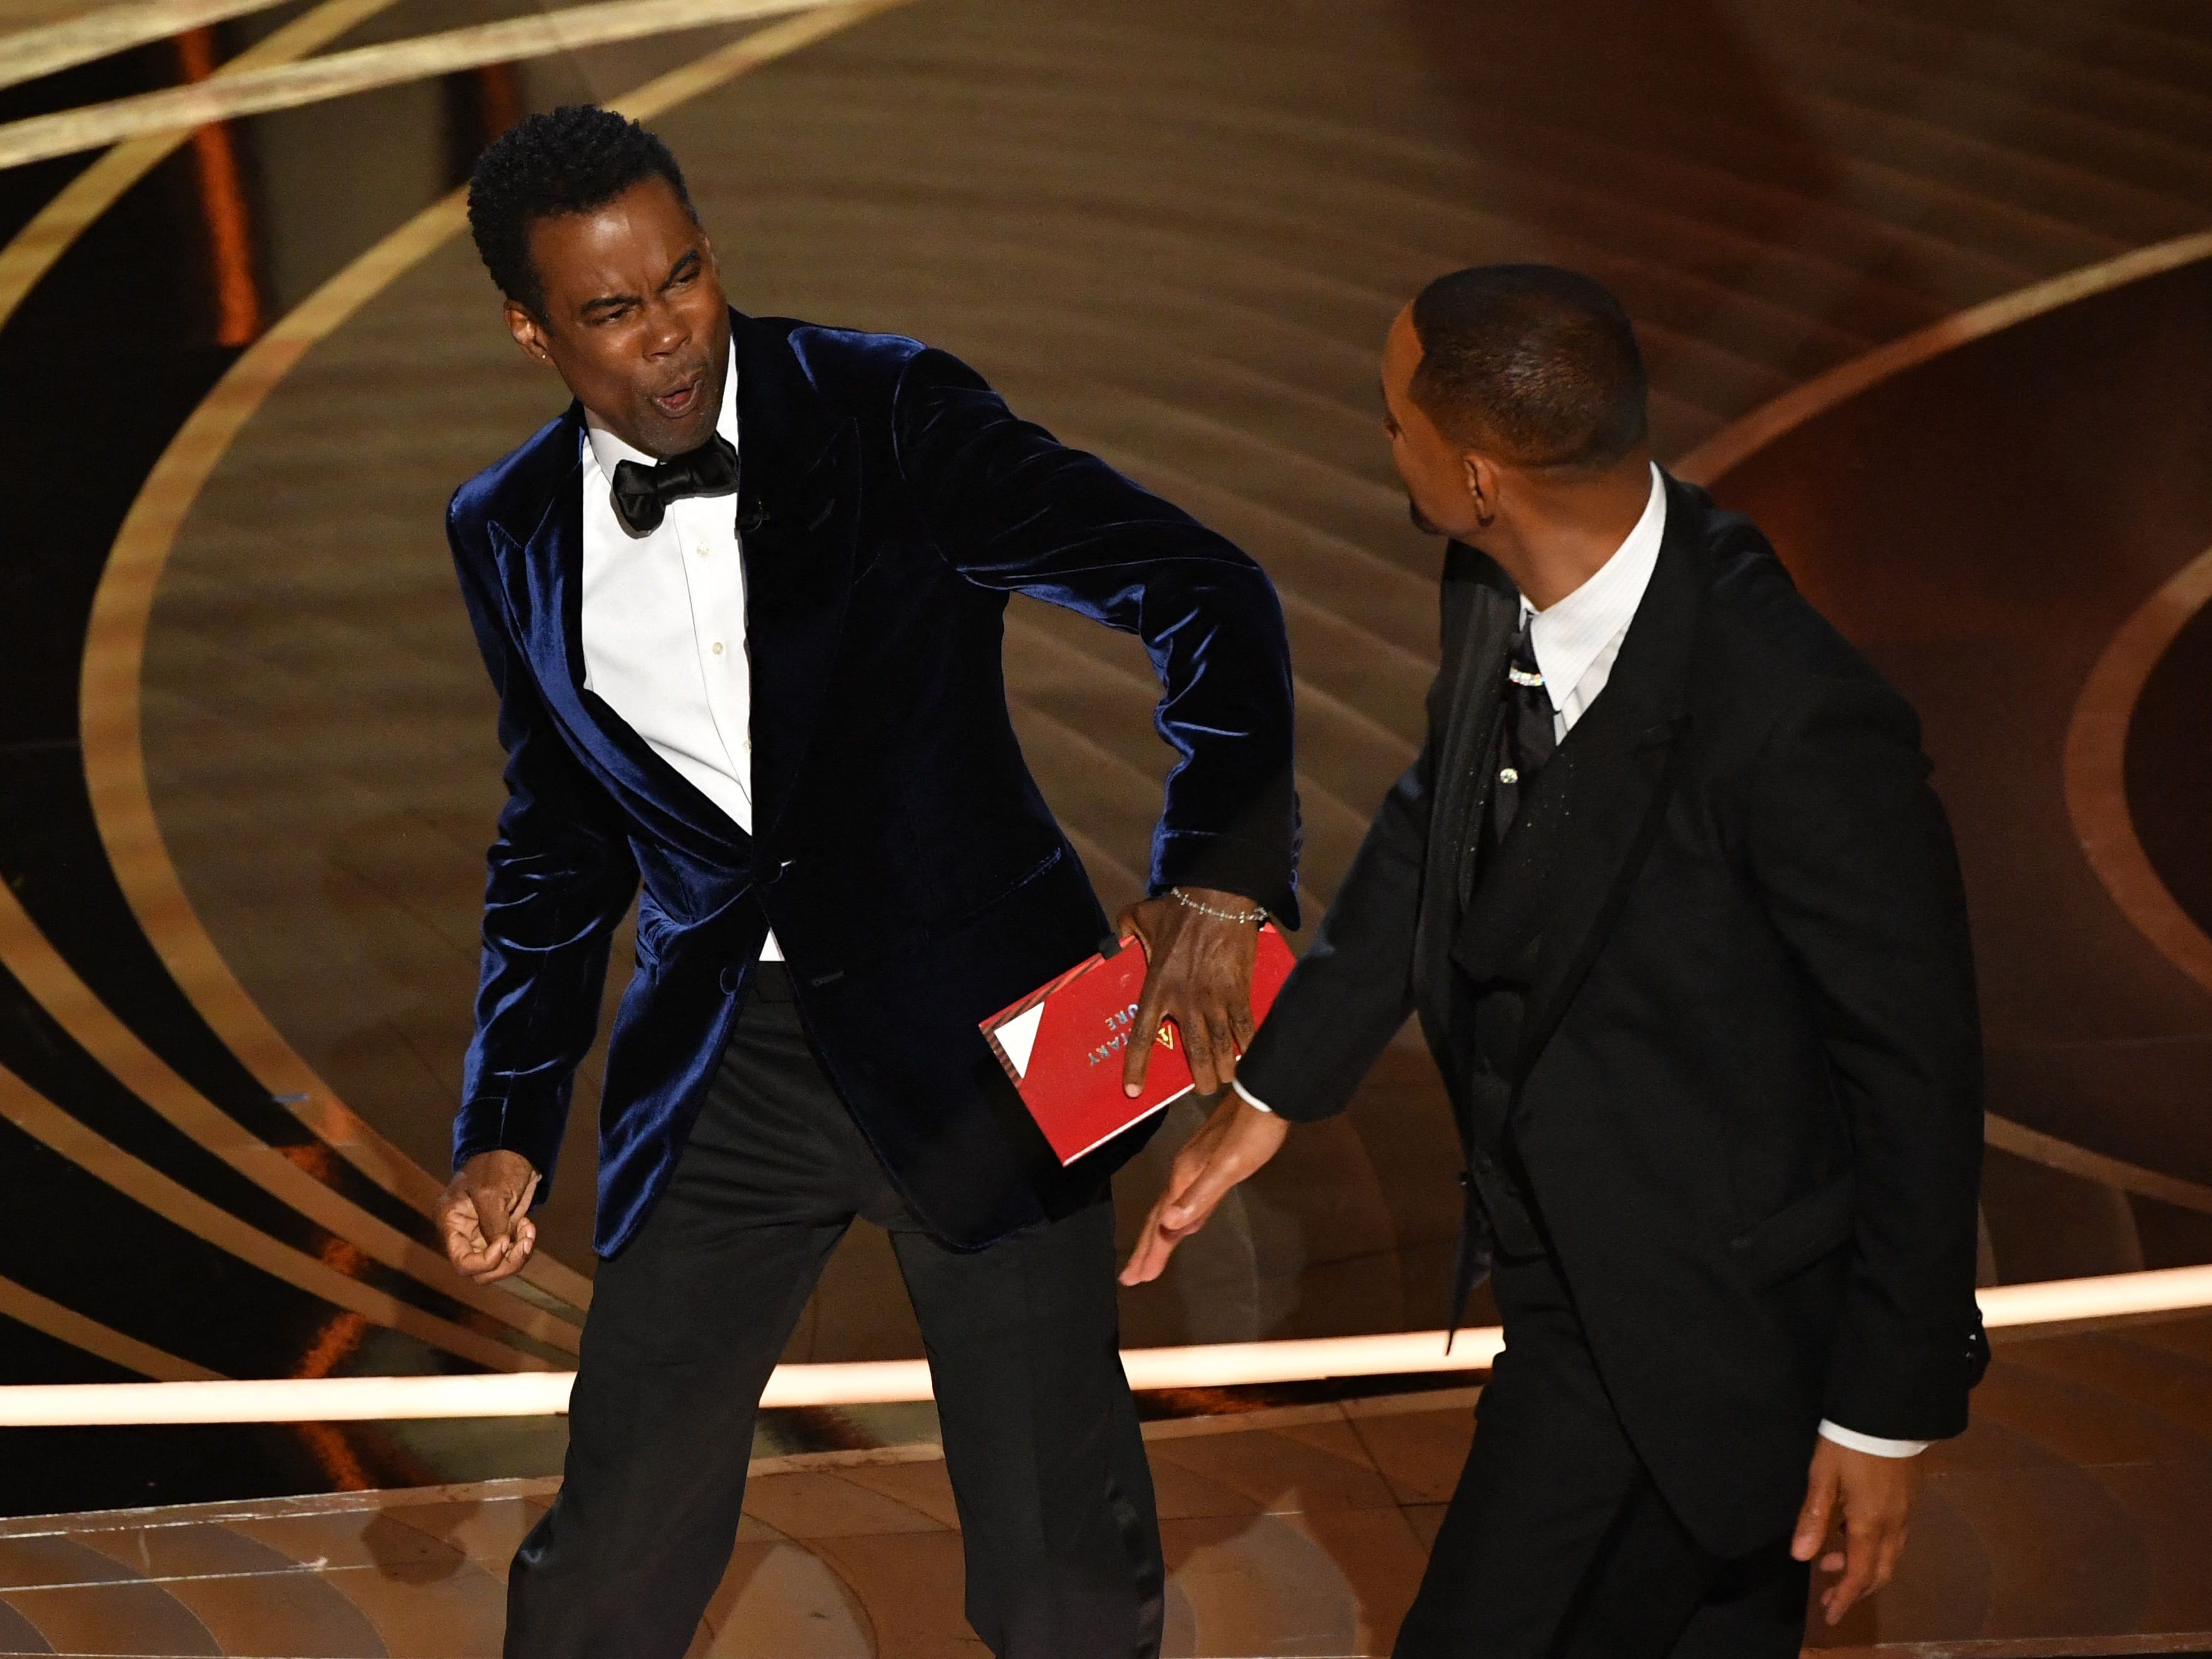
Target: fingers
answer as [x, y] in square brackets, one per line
[1194, 1206]
[1235, 1142]
[516, 1255]
[1223, 1043]
[1819, 1510]
[1892, 1552]
[1874, 1495]
[522, 1236]
[1156, 1242]
[1153, 1248]
[1142, 1032]
[480, 1216]
[466, 1244]
[1863, 1552]
[1241, 1026]
[495, 1208]
[1198, 1042]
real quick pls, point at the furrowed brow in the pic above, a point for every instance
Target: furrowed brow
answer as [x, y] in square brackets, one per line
[607, 302]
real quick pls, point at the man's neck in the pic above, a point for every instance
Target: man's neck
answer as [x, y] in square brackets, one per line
[1565, 533]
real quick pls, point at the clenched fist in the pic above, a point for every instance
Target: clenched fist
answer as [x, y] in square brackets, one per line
[483, 1216]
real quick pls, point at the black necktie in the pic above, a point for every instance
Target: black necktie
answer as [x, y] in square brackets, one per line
[1525, 735]
[642, 493]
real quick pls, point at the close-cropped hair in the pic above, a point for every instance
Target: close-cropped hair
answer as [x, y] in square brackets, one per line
[565, 161]
[1535, 365]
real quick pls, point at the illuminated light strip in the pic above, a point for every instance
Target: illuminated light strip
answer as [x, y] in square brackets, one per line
[108, 697]
[2070, 1302]
[2096, 763]
[255, 92]
[51, 47]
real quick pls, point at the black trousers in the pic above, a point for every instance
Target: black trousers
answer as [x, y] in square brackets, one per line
[1557, 1545]
[1040, 1434]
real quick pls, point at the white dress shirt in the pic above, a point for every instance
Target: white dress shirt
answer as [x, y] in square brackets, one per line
[1576, 642]
[663, 622]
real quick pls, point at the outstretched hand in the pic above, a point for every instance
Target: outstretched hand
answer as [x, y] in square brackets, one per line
[1872, 1497]
[482, 1215]
[1229, 1146]
[1199, 973]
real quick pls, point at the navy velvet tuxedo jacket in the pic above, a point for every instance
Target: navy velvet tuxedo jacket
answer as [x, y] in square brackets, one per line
[888, 502]
[1712, 997]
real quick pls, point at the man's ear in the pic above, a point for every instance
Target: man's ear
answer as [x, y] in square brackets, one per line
[1480, 475]
[528, 333]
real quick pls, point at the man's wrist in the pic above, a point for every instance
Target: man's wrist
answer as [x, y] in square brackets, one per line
[1251, 1099]
[1873, 1445]
[1221, 905]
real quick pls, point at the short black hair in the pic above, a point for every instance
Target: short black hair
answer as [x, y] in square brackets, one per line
[1536, 364]
[569, 160]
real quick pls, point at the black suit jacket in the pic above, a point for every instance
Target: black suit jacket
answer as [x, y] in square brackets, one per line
[1726, 940]
[888, 502]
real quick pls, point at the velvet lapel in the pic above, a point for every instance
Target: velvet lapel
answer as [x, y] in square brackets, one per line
[1540, 913]
[797, 518]
[543, 575]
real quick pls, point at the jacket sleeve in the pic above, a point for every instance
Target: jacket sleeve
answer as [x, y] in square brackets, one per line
[1354, 987]
[560, 877]
[1854, 859]
[1014, 510]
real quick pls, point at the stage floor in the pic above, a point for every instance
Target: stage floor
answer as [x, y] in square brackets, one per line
[2068, 1520]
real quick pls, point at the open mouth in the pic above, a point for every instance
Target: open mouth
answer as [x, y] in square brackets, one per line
[682, 400]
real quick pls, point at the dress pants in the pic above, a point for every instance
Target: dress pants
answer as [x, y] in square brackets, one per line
[1557, 1545]
[1040, 1433]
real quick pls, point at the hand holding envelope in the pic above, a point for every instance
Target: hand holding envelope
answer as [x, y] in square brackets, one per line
[1066, 1045]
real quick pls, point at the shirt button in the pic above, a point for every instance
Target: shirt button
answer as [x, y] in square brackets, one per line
[1505, 774]
[718, 647]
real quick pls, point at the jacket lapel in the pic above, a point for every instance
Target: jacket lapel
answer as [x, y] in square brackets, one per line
[797, 519]
[543, 576]
[1482, 630]
[1540, 913]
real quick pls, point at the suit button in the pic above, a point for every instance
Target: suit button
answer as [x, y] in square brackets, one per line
[732, 976]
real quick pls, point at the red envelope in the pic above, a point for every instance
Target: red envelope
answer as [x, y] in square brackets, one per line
[1064, 1045]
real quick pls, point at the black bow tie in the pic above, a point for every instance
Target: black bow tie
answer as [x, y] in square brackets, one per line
[642, 493]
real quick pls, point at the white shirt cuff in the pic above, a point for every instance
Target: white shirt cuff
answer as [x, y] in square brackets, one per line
[1251, 1099]
[1852, 1439]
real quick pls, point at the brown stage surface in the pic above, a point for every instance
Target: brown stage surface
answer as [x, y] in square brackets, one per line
[2070, 1512]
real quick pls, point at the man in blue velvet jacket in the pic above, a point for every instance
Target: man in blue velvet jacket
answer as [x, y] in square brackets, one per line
[742, 604]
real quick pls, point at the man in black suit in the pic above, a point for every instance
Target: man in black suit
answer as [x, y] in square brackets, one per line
[1683, 925]
[742, 605]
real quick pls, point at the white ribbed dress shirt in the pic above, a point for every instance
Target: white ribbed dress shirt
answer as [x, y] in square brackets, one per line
[1576, 642]
[665, 625]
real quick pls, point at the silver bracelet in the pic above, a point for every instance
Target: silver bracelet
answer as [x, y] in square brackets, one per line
[1190, 903]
